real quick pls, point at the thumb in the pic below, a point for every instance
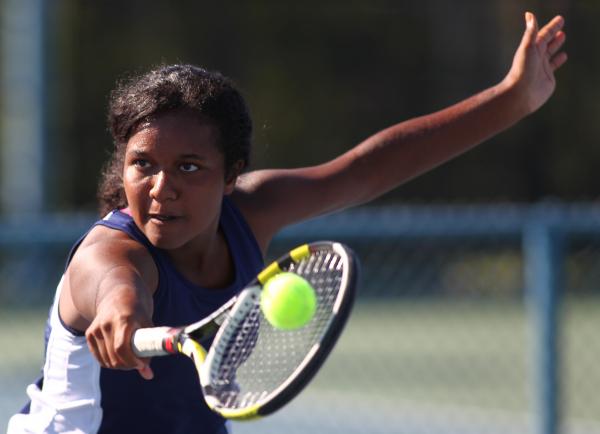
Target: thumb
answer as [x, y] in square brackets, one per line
[145, 371]
[531, 29]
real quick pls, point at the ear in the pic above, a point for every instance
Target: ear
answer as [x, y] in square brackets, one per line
[232, 176]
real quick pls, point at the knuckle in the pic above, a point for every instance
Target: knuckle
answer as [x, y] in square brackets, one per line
[93, 334]
[106, 327]
[121, 349]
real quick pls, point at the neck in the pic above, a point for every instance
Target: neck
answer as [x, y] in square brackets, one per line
[205, 262]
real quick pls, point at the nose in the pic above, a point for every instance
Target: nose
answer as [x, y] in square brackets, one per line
[163, 188]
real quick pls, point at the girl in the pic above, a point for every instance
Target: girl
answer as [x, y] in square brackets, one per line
[185, 229]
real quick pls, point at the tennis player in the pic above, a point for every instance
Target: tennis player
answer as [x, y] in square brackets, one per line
[186, 227]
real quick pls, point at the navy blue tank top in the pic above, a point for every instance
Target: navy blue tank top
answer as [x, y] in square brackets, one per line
[172, 402]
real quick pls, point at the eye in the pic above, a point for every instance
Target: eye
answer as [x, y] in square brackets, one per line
[141, 163]
[188, 167]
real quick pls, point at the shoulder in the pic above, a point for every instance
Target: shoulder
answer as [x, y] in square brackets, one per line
[104, 257]
[104, 248]
[251, 198]
[263, 198]
[275, 198]
[104, 237]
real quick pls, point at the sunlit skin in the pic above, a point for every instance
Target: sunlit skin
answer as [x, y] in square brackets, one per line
[174, 180]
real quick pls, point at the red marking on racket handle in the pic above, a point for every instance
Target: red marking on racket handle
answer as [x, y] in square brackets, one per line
[170, 342]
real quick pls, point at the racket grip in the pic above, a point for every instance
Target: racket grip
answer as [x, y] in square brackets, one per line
[149, 342]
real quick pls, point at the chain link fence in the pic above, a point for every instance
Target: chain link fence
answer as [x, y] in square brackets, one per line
[465, 322]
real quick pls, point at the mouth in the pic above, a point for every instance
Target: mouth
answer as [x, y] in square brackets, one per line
[162, 218]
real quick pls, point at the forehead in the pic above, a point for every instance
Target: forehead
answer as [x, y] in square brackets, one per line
[176, 131]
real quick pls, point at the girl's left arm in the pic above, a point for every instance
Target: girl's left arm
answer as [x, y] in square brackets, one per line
[272, 199]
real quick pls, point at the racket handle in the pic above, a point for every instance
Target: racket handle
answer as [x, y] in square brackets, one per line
[150, 342]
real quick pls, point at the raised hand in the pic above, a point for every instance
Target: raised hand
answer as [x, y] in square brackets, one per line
[536, 59]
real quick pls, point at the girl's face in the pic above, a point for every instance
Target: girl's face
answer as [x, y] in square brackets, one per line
[174, 180]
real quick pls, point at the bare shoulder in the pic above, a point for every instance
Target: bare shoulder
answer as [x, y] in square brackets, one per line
[252, 204]
[274, 198]
[104, 252]
[105, 248]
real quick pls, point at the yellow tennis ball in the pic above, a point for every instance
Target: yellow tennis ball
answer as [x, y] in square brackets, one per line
[288, 301]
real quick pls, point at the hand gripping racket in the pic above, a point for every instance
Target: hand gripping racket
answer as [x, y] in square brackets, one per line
[252, 368]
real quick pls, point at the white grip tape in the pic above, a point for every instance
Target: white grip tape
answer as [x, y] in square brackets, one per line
[148, 342]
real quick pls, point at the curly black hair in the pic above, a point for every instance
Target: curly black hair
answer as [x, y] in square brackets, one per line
[209, 95]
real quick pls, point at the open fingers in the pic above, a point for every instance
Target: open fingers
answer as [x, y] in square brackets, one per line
[531, 30]
[556, 43]
[558, 60]
[550, 30]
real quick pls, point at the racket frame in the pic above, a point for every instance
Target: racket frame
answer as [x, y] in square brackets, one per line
[317, 355]
[159, 341]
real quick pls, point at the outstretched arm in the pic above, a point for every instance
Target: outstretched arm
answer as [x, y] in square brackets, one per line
[272, 199]
[107, 292]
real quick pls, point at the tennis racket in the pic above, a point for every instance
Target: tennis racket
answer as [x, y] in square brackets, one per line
[251, 368]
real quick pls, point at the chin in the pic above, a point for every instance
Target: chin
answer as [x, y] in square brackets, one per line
[165, 243]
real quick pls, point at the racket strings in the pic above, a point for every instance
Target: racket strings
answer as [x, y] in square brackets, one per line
[254, 365]
[240, 347]
[232, 354]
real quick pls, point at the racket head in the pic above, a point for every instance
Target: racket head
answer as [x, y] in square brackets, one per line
[252, 369]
